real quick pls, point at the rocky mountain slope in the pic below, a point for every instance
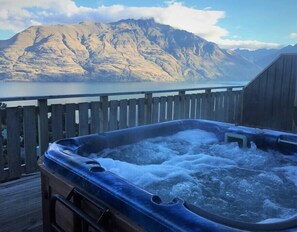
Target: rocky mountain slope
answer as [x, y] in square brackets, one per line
[128, 50]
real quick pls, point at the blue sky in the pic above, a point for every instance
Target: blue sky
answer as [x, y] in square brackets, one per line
[232, 24]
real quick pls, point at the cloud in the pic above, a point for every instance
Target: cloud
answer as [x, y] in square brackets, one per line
[293, 35]
[18, 15]
[246, 44]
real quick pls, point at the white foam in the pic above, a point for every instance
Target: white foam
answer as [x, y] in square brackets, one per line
[243, 184]
[290, 173]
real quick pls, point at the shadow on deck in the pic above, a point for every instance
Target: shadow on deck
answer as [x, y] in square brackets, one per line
[20, 204]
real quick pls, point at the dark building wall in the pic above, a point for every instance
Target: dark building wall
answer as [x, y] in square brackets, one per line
[269, 99]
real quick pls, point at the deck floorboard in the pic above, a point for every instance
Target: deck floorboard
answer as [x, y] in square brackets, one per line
[20, 204]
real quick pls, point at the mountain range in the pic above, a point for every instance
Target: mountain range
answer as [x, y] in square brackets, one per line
[263, 57]
[127, 50]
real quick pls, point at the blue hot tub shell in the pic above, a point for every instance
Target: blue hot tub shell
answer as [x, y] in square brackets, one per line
[69, 158]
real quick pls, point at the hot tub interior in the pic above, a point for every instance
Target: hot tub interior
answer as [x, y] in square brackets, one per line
[192, 162]
[245, 184]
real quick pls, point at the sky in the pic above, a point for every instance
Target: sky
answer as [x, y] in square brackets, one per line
[249, 24]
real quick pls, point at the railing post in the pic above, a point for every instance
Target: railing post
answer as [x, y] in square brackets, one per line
[148, 108]
[43, 136]
[182, 98]
[104, 113]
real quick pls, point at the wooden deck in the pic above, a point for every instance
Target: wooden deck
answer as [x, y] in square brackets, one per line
[20, 204]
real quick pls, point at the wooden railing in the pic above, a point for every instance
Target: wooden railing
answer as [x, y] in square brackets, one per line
[27, 130]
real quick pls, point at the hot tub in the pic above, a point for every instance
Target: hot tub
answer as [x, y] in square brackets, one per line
[80, 195]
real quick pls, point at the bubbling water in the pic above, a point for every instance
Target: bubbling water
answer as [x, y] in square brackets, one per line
[247, 185]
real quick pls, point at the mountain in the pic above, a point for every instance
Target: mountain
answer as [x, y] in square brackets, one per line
[127, 50]
[269, 58]
[263, 57]
[256, 56]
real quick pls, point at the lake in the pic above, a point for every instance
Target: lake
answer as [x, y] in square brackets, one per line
[15, 89]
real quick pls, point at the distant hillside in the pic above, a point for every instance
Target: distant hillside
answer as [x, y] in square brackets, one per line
[128, 50]
[256, 56]
[263, 57]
